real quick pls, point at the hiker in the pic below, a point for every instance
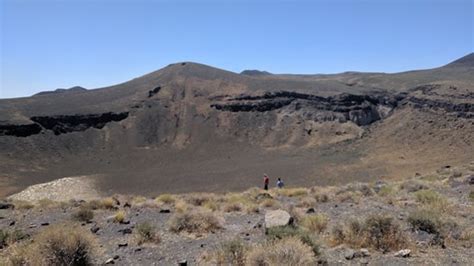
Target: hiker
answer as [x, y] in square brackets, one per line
[280, 183]
[266, 181]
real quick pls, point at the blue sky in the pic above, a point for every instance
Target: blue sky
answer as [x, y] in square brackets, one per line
[48, 44]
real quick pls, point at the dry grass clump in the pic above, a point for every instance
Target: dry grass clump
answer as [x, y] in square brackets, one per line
[8, 238]
[269, 203]
[194, 222]
[146, 233]
[349, 196]
[199, 199]
[233, 207]
[471, 195]
[315, 223]
[107, 203]
[252, 208]
[57, 245]
[165, 198]
[287, 251]
[377, 231]
[23, 205]
[306, 202]
[232, 252]
[211, 205]
[47, 203]
[119, 217]
[432, 199]
[83, 214]
[281, 232]
[321, 197]
[292, 192]
[425, 220]
[387, 190]
[181, 206]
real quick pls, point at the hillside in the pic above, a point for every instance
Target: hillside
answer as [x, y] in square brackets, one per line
[191, 127]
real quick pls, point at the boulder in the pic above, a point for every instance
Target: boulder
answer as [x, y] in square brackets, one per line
[277, 218]
[403, 253]
[470, 180]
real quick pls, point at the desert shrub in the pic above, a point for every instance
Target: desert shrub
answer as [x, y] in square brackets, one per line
[252, 208]
[233, 207]
[83, 215]
[433, 199]
[198, 199]
[281, 232]
[287, 251]
[386, 190]
[412, 186]
[211, 205]
[232, 252]
[427, 196]
[47, 203]
[181, 206]
[425, 220]
[306, 202]
[382, 233]
[377, 231]
[316, 223]
[23, 205]
[321, 197]
[119, 217]
[93, 204]
[146, 233]
[471, 195]
[293, 192]
[194, 222]
[269, 203]
[165, 198]
[8, 238]
[349, 196]
[107, 203]
[57, 245]
[3, 238]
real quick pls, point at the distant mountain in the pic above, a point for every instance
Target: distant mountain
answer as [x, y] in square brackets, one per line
[74, 89]
[255, 73]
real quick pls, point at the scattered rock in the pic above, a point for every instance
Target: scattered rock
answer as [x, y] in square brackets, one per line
[138, 250]
[45, 224]
[182, 262]
[6, 205]
[364, 252]
[122, 245]
[165, 211]
[277, 218]
[116, 257]
[349, 254]
[310, 210]
[127, 205]
[403, 253]
[12, 223]
[125, 231]
[470, 180]
[110, 261]
[95, 229]
[32, 226]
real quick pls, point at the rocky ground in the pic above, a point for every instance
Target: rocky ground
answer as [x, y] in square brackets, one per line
[425, 219]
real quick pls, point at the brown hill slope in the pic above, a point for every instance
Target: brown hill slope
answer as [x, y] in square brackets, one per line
[191, 127]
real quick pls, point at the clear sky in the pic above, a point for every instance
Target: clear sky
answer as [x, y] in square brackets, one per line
[49, 44]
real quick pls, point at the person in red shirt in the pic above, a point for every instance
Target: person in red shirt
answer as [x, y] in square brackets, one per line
[266, 181]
